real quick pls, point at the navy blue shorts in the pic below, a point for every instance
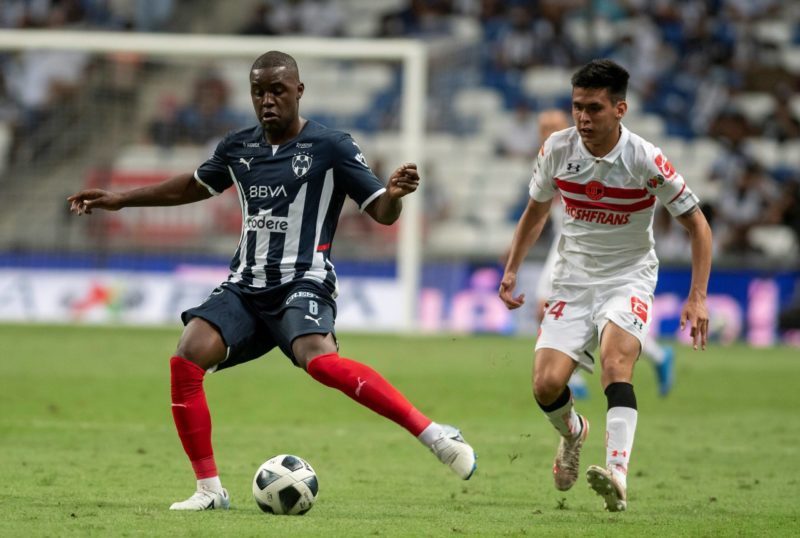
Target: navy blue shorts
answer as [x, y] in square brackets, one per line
[252, 321]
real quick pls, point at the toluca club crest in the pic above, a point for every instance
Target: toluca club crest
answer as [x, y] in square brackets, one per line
[595, 190]
[301, 164]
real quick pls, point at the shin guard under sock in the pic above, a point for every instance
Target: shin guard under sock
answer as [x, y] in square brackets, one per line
[369, 388]
[191, 415]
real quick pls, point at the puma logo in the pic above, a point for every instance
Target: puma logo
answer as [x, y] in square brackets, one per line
[315, 320]
[360, 385]
[245, 162]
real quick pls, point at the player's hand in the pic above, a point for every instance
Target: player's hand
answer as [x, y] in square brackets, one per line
[507, 286]
[403, 181]
[695, 313]
[84, 201]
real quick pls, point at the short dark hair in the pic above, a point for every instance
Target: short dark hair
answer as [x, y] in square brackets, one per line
[603, 74]
[275, 58]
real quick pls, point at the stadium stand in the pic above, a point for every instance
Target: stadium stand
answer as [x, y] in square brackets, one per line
[718, 81]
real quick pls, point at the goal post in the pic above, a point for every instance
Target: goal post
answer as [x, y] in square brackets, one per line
[412, 56]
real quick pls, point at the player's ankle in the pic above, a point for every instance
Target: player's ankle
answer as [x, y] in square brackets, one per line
[212, 483]
[430, 434]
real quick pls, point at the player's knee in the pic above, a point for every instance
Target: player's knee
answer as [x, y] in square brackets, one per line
[617, 367]
[546, 389]
[201, 344]
[306, 348]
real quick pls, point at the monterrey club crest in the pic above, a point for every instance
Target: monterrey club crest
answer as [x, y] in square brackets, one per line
[595, 190]
[301, 164]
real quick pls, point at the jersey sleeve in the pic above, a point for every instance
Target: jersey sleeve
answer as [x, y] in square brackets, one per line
[353, 175]
[214, 174]
[666, 184]
[542, 187]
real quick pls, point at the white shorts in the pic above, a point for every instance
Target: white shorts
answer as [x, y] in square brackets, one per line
[575, 316]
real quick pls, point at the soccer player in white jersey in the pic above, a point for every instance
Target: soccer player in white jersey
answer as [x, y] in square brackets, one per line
[292, 176]
[661, 357]
[603, 280]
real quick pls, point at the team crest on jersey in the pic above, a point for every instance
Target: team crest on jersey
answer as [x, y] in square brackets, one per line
[595, 190]
[656, 181]
[301, 164]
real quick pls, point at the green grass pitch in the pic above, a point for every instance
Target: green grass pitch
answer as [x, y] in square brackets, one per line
[89, 449]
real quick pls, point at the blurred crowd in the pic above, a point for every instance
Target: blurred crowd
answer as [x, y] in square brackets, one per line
[690, 61]
[38, 88]
[202, 119]
[138, 15]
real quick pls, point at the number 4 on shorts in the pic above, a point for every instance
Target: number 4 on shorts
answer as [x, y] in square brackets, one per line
[557, 310]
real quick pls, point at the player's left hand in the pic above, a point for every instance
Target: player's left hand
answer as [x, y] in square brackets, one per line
[695, 313]
[506, 292]
[403, 181]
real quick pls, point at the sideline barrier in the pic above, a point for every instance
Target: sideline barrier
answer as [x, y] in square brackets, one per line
[455, 297]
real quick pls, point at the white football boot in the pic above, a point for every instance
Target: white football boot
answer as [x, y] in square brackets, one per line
[204, 499]
[568, 458]
[453, 451]
[602, 481]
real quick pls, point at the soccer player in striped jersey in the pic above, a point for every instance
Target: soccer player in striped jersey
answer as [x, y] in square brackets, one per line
[661, 357]
[605, 274]
[292, 176]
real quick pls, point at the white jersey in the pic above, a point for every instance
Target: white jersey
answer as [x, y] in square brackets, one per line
[608, 202]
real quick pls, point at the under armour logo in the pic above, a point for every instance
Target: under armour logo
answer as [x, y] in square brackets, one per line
[360, 385]
[245, 162]
[573, 167]
[315, 320]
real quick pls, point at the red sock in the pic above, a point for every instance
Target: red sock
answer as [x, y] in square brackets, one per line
[191, 415]
[367, 387]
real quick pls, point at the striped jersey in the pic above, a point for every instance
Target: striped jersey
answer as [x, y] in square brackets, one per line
[291, 197]
[608, 202]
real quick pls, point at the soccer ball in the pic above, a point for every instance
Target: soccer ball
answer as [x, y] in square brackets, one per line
[285, 485]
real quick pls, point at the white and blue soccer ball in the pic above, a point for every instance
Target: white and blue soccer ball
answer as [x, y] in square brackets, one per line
[285, 485]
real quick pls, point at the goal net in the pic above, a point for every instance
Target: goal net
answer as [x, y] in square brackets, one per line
[118, 110]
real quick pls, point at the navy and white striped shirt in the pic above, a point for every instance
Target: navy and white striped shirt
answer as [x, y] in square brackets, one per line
[291, 197]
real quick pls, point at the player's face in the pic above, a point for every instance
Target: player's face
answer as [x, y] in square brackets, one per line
[597, 118]
[276, 94]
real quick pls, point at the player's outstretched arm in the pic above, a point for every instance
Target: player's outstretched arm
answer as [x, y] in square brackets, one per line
[387, 207]
[181, 189]
[695, 311]
[528, 230]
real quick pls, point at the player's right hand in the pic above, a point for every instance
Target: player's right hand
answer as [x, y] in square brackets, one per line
[84, 201]
[507, 286]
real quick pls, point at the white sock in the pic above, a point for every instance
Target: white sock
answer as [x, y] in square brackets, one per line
[565, 420]
[620, 430]
[653, 351]
[209, 484]
[430, 434]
